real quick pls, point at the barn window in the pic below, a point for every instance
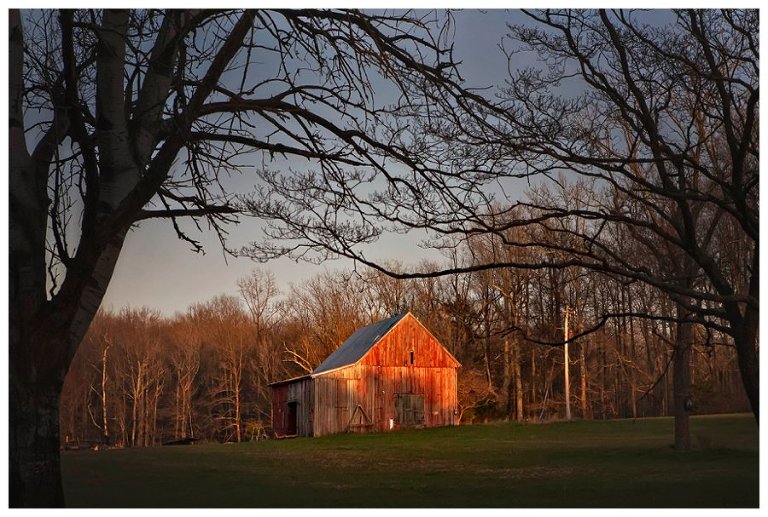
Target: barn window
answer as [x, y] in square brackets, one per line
[411, 356]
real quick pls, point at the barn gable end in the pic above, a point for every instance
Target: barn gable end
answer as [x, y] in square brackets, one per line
[406, 337]
[358, 344]
[387, 375]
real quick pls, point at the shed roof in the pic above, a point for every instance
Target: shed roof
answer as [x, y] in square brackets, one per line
[288, 381]
[356, 345]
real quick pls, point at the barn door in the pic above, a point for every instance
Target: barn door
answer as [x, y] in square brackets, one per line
[291, 417]
[409, 409]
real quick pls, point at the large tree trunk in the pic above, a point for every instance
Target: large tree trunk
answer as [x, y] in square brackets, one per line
[745, 341]
[34, 383]
[41, 347]
[749, 367]
[35, 469]
[745, 338]
[120, 172]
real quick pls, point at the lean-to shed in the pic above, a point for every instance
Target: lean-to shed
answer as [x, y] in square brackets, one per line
[388, 375]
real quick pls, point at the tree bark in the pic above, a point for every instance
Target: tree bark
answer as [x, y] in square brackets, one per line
[41, 347]
[35, 465]
[519, 416]
[682, 381]
[533, 379]
[745, 338]
[104, 413]
[506, 383]
[583, 379]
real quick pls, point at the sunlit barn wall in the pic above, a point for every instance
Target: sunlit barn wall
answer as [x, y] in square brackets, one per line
[407, 379]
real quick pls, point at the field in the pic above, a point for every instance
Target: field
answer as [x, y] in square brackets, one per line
[621, 463]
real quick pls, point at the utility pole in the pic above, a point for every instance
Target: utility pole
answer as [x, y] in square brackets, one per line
[567, 375]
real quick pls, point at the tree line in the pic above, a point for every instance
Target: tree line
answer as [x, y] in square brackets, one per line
[142, 379]
[639, 138]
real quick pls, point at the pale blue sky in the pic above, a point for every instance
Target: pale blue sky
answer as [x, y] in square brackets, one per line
[158, 270]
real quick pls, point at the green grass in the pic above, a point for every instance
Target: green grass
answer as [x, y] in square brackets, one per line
[620, 463]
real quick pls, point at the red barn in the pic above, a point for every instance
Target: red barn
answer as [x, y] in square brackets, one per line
[388, 375]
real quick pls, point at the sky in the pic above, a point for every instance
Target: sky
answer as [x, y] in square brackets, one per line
[159, 271]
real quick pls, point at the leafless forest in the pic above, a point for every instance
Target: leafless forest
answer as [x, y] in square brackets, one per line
[141, 379]
[636, 139]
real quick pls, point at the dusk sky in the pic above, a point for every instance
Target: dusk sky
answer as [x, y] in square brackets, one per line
[160, 271]
[580, 199]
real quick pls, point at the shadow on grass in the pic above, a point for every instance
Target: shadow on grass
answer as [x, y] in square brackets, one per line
[582, 464]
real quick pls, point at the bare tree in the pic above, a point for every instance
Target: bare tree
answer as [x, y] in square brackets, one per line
[143, 378]
[142, 114]
[473, 392]
[215, 365]
[259, 291]
[225, 329]
[662, 118]
[102, 392]
[185, 361]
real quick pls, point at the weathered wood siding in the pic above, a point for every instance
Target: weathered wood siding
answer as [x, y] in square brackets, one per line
[374, 389]
[362, 397]
[299, 393]
[395, 348]
[279, 405]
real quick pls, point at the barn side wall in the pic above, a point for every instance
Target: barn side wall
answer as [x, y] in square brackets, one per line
[362, 398]
[301, 394]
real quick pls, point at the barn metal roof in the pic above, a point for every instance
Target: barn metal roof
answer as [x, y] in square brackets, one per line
[356, 345]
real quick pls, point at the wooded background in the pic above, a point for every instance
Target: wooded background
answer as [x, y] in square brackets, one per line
[637, 137]
[141, 379]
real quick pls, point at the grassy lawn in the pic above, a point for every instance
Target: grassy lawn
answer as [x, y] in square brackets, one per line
[620, 463]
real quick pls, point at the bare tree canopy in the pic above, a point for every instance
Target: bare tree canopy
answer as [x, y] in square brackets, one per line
[217, 359]
[117, 116]
[639, 141]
